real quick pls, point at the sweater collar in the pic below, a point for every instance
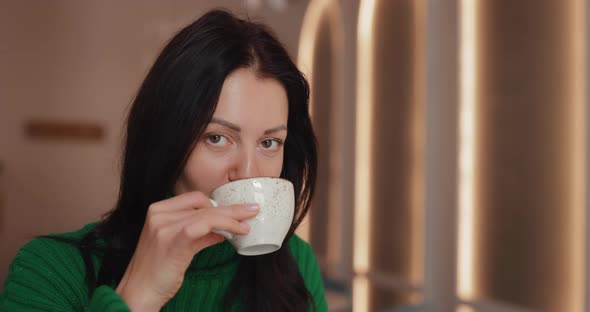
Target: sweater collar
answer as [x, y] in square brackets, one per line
[214, 258]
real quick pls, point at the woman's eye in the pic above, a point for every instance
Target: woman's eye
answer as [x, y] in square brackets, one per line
[271, 144]
[217, 140]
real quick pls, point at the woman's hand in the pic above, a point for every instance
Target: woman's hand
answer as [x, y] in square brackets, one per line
[175, 230]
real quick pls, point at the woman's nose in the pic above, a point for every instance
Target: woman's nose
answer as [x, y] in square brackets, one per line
[245, 166]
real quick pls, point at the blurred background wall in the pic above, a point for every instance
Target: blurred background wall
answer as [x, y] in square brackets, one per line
[453, 138]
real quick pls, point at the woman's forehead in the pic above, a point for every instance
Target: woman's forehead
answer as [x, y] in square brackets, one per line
[246, 100]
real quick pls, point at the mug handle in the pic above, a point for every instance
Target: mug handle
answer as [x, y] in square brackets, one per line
[225, 234]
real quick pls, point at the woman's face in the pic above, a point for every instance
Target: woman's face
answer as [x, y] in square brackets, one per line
[244, 138]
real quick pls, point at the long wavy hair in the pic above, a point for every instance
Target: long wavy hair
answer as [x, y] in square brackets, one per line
[168, 115]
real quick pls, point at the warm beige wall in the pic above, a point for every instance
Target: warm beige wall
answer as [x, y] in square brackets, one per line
[396, 150]
[526, 222]
[323, 110]
[327, 57]
[528, 156]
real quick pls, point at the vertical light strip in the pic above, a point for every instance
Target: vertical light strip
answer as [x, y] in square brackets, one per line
[360, 293]
[418, 137]
[363, 149]
[468, 94]
[578, 67]
[307, 40]
[307, 37]
[337, 213]
[464, 307]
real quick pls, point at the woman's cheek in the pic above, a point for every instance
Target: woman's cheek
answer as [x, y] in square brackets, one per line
[208, 171]
[277, 165]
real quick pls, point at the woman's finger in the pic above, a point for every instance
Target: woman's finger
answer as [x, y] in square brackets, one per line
[239, 212]
[234, 214]
[202, 224]
[184, 201]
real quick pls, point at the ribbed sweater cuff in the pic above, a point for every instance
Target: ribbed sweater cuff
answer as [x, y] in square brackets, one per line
[106, 299]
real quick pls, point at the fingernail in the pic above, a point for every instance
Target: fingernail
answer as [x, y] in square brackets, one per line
[245, 226]
[252, 207]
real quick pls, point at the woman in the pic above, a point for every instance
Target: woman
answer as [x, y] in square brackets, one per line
[222, 102]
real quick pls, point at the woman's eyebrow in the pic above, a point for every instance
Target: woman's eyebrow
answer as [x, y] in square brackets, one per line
[237, 128]
[275, 129]
[226, 124]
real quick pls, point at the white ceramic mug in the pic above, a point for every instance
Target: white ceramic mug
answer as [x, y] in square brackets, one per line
[276, 199]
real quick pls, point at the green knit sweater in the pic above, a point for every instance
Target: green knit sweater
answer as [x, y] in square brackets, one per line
[48, 275]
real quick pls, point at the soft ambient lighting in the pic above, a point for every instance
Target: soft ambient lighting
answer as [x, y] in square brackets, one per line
[465, 308]
[417, 194]
[363, 164]
[360, 293]
[317, 12]
[578, 147]
[307, 40]
[468, 93]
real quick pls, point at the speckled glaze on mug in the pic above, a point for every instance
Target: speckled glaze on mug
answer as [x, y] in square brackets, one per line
[276, 199]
